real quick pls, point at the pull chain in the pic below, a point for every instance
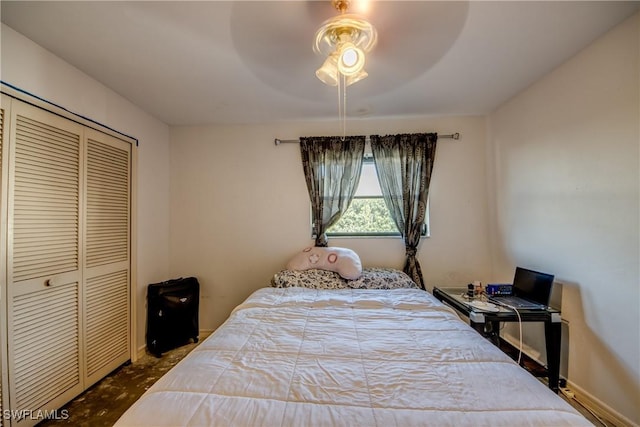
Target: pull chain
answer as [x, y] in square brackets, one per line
[342, 103]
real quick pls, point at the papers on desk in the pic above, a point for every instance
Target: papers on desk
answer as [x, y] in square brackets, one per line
[484, 306]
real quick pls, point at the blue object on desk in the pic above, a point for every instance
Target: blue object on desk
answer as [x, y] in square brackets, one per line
[499, 289]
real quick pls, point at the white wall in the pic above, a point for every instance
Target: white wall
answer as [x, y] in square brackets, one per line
[29, 67]
[565, 166]
[240, 207]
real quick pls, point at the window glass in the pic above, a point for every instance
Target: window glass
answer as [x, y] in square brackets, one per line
[367, 214]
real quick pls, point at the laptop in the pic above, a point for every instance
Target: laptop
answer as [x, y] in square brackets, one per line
[531, 290]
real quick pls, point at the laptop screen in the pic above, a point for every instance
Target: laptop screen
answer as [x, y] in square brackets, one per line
[532, 285]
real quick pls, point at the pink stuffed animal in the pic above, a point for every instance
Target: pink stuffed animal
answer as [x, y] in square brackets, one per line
[343, 261]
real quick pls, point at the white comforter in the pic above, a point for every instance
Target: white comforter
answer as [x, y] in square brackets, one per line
[307, 357]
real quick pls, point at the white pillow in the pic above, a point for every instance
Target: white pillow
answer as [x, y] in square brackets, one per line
[343, 261]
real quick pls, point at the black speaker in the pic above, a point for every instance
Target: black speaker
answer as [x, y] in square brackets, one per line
[172, 314]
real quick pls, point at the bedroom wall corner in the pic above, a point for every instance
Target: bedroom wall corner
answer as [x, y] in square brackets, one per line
[30, 67]
[567, 200]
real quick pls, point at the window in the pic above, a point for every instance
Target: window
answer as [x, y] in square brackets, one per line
[367, 214]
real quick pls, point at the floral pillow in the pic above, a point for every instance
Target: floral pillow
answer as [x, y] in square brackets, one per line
[313, 278]
[371, 278]
[383, 278]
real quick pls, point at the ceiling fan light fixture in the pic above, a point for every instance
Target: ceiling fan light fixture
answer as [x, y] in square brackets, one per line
[349, 36]
[344, 40]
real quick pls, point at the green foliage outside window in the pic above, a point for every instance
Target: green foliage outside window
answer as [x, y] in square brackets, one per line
[366, 215]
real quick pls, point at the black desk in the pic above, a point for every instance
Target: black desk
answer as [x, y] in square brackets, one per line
[487, 323]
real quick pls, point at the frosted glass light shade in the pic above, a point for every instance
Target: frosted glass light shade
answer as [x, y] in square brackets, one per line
[328, 73]
[351, 60]
[356, 77]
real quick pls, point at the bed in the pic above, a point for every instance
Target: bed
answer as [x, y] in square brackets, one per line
[315, 350]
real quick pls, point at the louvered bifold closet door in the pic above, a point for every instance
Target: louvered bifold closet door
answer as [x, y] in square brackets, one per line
[4, 179]
[43, 268]
[107, 257]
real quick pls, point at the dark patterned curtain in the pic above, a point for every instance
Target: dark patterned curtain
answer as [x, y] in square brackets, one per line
[332, 169]
[404, 164]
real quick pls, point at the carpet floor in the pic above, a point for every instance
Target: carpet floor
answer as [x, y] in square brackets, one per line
[103, 403]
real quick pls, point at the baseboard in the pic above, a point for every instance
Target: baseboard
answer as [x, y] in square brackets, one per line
[204, 333]
[142, 351]
[531, 353]
[584, 398]
[601, 409]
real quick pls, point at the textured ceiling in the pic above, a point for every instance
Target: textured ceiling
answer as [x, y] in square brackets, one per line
[250, 62]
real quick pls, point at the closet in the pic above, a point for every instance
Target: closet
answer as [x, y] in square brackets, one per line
[66, 257]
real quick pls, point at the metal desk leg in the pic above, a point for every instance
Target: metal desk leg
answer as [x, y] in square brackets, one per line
[494, 332]
[487, 328]
[552, 337]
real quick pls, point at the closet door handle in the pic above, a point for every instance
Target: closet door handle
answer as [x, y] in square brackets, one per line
[53, 281]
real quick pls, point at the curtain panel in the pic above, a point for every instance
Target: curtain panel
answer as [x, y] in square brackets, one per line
[332, 167]
[404, 164]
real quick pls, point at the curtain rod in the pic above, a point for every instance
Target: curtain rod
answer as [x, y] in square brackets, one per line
[455, 136]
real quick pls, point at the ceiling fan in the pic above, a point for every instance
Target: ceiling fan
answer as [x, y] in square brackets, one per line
[298, 38]
[344, 40]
